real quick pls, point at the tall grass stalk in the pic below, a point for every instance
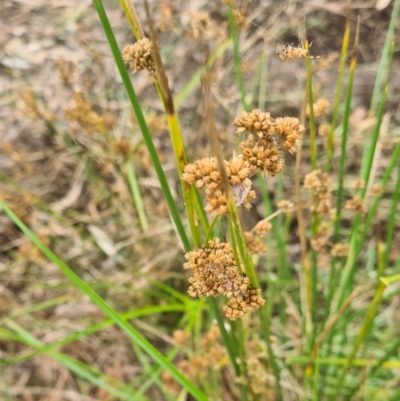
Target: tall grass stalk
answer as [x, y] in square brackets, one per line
[348, 270]
[137, 199]
[339, 84]
[236, 58]
[172, 206]
[342, 165]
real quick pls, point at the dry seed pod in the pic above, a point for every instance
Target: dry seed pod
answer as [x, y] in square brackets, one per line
[286, 52]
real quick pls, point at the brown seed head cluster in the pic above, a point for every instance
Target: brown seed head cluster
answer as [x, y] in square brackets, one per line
[123, 147]
[211, 355]
[321, 238]
[355, 205]
[321, 107]
[359, 184]
[85, 116]
[33, 110]
[239, 305]
[215, 272]
[319, 183]
[201, 26]
[265, 135]
[256, 373]
[22, 204]
[376, 190]
[340, 250]
[204, 173]
[139, 56]
[166, 19]
[325, 62]
[254, 238]
[286, 206]
[67, 71]
[181, 338]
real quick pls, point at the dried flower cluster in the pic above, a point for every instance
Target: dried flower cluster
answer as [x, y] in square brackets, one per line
[33, 110]
[286, 206]
[340, 249]
[325, 62]
[215, 272]
[210, 356]
[265, 135]
[376, 190]
[256, 374]
[123, 147]
[321, 107]
[67, 71]
[139, 56]
[356, 205]
[200, 26]
[319, 183]
[321, 238]
[204, 173]
[86, 117]
[254, 238]
[22, 204]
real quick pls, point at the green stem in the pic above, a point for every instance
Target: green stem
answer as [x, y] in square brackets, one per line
[236, 58]
[265, 314]
[172, 205]
[137, 199]
[362, 335]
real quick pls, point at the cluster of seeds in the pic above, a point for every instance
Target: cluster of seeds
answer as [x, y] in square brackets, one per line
[340, 250]
[356, 205]
[214, 268]
[32, 109]
[215, 272]
[204, 173]
[321, 107]
[210, 355]
[139, 56]
[200, 26]
[319, 183]
[255, 238]
[86, 117]
[265, 135]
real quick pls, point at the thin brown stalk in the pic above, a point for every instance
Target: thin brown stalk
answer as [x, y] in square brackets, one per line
[307, 287]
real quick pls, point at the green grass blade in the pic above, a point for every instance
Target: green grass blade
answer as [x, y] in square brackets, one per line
[369, 150]
[137, 198]
[339, 85]
[310, 96]
[327, 361]
[265, 315]
[99, 379]
[132, 333]
[236, 58]
[362, 335]
[334, 275]
[172, 206]
[384, 61]
[195, 80]
[392, 221]
[95, 328]
[348, 271]
[230, 344]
